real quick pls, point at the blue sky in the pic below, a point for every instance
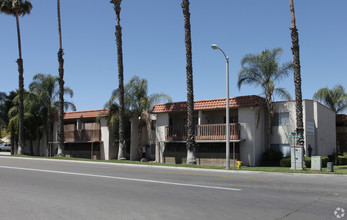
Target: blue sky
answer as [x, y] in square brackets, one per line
[153, 45]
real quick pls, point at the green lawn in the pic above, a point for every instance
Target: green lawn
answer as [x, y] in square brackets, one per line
[337, 169]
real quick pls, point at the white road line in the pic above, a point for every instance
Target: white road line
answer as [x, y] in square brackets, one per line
[122, 178]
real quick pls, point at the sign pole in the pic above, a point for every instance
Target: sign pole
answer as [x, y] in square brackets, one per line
[294, 155]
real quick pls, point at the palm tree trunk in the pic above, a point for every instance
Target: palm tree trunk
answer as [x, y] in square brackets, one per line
[61, 89]
[269, 119]
[38, 146]
[191, 144]
[121, 149]
[31, 147]
[49, 133]
[21, 91]
[13, 149]
[297, 77]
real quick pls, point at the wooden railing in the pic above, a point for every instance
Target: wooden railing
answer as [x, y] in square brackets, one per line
[203, 132]
[90, 133]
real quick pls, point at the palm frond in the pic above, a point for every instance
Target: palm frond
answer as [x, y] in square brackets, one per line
[282, 93]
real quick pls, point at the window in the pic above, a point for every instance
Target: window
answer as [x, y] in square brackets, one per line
[281, 119]
[284, 148]
[153, 124]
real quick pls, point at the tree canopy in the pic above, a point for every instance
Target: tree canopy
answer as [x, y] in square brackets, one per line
[335, 98]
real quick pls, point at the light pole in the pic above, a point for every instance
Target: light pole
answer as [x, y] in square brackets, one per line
[227, 126]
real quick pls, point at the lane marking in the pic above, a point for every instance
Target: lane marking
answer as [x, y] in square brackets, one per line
[123, 178]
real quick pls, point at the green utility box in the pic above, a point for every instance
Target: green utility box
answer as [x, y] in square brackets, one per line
[330, 167]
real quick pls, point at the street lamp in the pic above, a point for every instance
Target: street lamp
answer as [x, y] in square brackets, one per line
[215, 47]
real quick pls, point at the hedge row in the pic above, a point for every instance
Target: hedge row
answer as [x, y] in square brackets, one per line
[286, 161]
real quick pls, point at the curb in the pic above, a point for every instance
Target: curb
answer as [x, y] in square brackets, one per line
[177, 168]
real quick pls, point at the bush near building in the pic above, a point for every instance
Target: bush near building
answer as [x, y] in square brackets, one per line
[271, 158]
[342, 160]
[286, 161]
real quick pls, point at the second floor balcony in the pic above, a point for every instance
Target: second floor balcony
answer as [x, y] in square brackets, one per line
[89, 132]
[203, 132]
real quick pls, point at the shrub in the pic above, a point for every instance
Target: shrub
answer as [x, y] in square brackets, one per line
[325, 160]
[308, 162]
[342, 160]
[285, 162]
[271, 158]
[332, 158]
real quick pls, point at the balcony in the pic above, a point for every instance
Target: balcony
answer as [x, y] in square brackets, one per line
[90, 132]
[203, 132]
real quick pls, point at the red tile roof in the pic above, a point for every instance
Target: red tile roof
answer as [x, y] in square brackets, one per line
[341, 118]
[210, 104]
[85, 114]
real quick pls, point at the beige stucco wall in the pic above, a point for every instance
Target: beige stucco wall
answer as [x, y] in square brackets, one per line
[162, 121]
[253, 134]
[309, 118]
[326, 129]
[323, 137]
[279, 133]
[105, 145]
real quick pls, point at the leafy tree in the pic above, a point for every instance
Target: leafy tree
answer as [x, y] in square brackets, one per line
[264, 70]
[336, 98]
[297, 76]
[6, 105]
[190, 144]
[122, 144]
[44, 87]
[113, 120]
[61, 88]
[17, 8]
[31, 119]
[3, 97]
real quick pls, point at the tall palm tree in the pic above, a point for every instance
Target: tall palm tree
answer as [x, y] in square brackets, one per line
[17, 8]
[137, 103]
[122, 144]
[264, 70]
[190, 144]
[61, 88]
[336, 98]
[44, 86]
[297, 76]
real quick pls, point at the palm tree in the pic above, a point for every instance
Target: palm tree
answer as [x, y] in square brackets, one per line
[137, 103]
[336, 99]
[297, 76]
[264, 70]
[61, 88]
[190, 144]
[122, 144]
[44, 86]
[17, 8]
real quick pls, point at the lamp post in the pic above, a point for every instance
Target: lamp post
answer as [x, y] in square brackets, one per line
[227, 162]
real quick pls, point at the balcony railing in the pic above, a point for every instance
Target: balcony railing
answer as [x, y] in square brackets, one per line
[203, 132]
[92, 132]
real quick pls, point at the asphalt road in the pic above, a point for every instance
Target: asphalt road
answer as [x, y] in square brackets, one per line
[51, 189]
